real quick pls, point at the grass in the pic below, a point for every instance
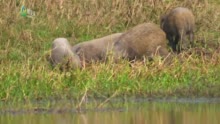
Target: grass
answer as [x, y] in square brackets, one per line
[25, 74]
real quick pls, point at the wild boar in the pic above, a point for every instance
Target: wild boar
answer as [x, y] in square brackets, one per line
[97, 49]
[145, 39]
[62, 55]
[177, 24]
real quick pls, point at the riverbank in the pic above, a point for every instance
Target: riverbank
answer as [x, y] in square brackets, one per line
[25, 74]
[98, 105]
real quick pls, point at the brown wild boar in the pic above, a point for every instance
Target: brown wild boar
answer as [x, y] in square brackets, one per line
[145, 39]
[177, 24]
[62, 55]
[97, 49]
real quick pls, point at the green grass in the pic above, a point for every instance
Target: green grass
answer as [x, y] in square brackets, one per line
[25, 74]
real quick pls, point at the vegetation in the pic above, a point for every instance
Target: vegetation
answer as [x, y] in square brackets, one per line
[25, 74]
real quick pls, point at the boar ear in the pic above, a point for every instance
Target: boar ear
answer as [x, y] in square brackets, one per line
[162, 18]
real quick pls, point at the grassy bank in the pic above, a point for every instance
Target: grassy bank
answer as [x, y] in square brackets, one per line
[25, 73]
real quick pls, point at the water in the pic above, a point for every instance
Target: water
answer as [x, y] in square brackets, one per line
[180, 111]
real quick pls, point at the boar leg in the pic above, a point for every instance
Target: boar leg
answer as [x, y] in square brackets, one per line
[172, 43]
[191, 38]
[184, 43]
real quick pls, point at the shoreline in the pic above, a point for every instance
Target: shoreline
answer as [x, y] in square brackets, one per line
[66, 106]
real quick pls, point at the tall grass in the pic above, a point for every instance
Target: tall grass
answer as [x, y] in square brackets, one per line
[26, 75]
